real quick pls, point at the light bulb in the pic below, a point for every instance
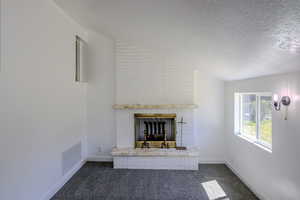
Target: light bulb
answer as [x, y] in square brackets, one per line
[275, 98]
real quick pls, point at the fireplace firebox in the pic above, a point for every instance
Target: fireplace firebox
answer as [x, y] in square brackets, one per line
[155, 130]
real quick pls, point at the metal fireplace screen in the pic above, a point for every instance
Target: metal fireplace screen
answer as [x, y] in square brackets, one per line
[155, 130]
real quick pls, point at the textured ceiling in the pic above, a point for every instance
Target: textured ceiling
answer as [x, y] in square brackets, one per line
[234, 39]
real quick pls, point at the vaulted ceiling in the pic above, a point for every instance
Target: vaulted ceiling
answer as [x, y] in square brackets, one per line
[234, 39]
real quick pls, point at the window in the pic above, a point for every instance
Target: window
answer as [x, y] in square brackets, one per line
[253, 117]
[80, 60]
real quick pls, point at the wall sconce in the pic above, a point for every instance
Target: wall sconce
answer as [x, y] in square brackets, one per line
[285, 100]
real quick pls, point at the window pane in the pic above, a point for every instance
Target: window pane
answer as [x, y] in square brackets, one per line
[266, 119]
[248, 118]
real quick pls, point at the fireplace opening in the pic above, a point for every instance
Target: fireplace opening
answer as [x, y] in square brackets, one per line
[155, 130]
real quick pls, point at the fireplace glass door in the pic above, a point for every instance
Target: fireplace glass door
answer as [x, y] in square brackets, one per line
[155, 130]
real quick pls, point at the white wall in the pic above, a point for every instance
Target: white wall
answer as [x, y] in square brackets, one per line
[209, 118]
[42, 108]
[100, 97]
[271, 175]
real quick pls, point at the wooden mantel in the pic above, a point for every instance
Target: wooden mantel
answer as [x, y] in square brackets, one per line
[154, 106]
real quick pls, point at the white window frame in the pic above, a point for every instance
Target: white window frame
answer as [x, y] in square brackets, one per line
[238, 118]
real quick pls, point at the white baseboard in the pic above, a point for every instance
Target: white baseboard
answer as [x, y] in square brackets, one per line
[63, 181]
[100, 158]
[211, 160]
[260, 196]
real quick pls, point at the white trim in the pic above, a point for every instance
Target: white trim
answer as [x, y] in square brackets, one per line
[237, 121]
[63, 181]
[211, 161]
[258, 112]
[100, 158]
[257, 194]
[255, 142]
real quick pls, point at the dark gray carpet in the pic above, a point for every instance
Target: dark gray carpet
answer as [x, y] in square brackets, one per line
[98, 181]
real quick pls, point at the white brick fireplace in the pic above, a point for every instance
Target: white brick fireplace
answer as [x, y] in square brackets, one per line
[126, 156]
[158, 83]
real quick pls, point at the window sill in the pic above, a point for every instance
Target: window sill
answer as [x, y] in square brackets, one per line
[255, 142]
